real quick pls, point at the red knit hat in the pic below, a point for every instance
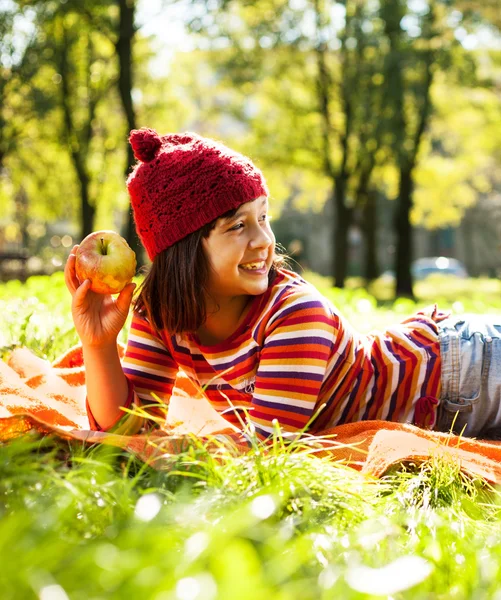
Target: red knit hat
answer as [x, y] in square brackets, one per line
[183, 182]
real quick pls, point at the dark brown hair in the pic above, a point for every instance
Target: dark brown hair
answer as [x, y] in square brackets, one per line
[172, 295]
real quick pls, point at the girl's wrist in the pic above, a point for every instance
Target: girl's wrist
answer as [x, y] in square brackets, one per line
[100, 348]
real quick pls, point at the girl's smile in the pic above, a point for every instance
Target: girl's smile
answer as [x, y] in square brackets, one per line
[258, 267]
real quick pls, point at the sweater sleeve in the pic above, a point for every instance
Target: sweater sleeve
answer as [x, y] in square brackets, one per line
[301, 342]
[149, 366]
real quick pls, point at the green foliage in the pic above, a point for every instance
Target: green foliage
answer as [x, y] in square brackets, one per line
[305, 527]
[61, 102]
[254, 82]
[461, 153]
[353, 95]
[37, 314]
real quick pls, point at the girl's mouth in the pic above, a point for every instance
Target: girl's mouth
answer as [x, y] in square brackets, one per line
[258, 267]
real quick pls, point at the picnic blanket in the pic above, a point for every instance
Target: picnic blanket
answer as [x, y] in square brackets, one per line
[38, 395]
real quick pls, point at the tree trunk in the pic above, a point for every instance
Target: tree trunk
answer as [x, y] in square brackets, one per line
[406, 188]
[88, 211]
[124, 51]
[343, 220]
[403, 226]
[78, 147]
[407, 162]
[339, 176]
[365, 203]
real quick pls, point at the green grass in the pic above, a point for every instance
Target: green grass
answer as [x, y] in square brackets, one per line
[94, 523]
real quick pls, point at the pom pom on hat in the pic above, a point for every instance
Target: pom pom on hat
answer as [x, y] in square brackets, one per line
[183, 182]
[145, 143]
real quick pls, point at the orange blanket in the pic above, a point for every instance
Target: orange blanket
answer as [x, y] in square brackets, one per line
[50, 398]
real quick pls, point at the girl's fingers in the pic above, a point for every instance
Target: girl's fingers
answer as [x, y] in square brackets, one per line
[70, 277]
[69, 268]
[81, 293]
[124, 299]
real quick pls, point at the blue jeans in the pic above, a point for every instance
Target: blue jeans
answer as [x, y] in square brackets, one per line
[470, 401]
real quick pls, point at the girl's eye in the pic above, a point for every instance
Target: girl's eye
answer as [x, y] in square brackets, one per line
[240, 225]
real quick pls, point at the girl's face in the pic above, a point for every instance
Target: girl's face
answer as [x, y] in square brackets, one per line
[233, 245]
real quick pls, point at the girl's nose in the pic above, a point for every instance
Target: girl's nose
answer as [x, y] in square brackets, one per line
[262, 237]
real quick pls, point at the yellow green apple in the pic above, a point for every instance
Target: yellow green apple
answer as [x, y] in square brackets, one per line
[107, 260]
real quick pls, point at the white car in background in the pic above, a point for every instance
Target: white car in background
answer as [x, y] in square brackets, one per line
[422, 267]
[442, 265]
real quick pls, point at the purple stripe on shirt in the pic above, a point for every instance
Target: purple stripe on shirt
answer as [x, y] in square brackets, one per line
[300, 410]
[429, 367]
[141, 346]
[239, 360]
[143, 375]
[402, 363]
[300, 306]
[294, 375]
[302, 338]
[177, 348]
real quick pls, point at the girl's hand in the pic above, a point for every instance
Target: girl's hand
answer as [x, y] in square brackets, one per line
[98, 318]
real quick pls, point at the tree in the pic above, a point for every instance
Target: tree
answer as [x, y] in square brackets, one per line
[116, 19]
[327, 74]
[67, 104]
[119, 26]
[409, 104]
[111, 20]
[123, 45]
[24, 104]
[82, 61]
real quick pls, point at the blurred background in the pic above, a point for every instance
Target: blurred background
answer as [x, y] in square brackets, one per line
[377, 124]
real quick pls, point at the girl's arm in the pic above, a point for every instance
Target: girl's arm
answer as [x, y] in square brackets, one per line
[144, 377]
[107, 388]
[98, 320]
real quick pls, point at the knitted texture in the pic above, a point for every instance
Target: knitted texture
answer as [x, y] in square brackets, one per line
[183, 182]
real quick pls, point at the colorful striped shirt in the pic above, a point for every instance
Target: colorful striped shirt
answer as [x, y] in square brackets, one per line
[296, 360]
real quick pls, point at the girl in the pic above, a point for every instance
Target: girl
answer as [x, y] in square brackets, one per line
[219, 303]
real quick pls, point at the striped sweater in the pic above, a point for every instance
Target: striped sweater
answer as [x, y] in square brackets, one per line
[294, 359]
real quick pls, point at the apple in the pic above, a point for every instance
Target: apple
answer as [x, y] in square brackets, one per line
[107, 260]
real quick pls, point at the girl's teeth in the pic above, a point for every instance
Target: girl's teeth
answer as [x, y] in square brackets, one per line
[253, 266]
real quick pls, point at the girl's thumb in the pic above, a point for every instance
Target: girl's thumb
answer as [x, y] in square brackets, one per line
[125, 297]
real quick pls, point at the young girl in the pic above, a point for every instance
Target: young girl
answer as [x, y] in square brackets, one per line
[219, 304]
